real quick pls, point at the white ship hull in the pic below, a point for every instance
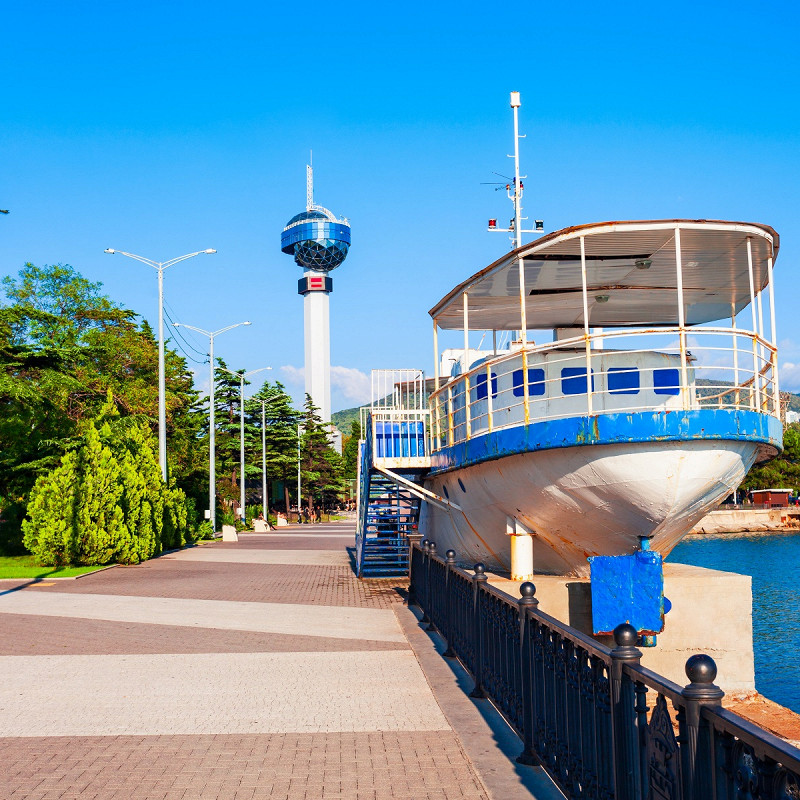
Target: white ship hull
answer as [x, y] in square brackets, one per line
[583, 501]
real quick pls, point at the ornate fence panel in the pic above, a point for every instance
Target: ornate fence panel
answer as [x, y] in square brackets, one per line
[581, 709]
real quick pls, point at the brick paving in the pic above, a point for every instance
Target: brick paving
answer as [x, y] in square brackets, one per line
[212, 678]
[170, 577]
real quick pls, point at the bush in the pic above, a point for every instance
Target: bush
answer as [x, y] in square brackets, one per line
[106, 502]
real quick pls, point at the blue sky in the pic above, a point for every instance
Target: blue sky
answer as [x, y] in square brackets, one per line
[167, 128]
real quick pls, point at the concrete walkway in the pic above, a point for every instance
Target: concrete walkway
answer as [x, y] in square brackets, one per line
[257, 669]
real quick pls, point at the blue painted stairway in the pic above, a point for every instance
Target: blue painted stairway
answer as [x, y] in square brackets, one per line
[388, 511]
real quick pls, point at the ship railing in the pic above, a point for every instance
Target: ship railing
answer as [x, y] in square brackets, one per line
[631, 371]
[597, 721]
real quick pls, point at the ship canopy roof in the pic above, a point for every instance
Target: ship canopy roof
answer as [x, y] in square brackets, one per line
[714, 269]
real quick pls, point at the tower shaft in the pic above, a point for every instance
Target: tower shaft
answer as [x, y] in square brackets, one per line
[316, 316]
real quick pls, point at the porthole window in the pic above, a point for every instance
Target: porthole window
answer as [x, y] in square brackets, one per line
[573, 380]
[666, 381]
[623, 380]
[481, 390]
[535, 382]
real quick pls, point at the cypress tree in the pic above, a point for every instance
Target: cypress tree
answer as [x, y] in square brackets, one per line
[99, 521]
[49, 530]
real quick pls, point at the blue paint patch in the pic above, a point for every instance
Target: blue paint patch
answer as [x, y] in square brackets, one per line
[628, 589]
[643, 426]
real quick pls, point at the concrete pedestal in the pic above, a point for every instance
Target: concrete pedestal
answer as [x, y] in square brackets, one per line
[712, 613]
[229, 534]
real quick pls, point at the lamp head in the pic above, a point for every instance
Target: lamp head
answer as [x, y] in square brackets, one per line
[515, 101]
[209, 251]
[176, 324]
[247, 323]
[109, 250]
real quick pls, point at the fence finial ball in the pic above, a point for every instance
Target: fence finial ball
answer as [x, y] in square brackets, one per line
[480, 568]
[450, 555]
[432, 547]
[527, 590]
[625, 635]
[701, 668]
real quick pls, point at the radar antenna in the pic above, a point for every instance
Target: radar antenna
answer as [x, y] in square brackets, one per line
[515, 188]
[310, 204]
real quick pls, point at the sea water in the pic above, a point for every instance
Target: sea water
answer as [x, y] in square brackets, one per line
[773, 561]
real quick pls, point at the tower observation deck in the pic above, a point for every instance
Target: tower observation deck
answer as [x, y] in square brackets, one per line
[319, 242]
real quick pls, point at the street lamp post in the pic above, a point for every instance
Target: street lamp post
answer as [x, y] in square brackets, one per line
[242, 376]
[298, 474]
[162, 405]
[212, 489]
[264, 504]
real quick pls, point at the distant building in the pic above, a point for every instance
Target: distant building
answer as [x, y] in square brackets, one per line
[774, 498]
[792, 416]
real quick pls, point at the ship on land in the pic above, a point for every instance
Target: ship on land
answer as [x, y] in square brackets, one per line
[657, 393]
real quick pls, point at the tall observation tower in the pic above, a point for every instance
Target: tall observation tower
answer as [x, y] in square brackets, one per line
[319, 243]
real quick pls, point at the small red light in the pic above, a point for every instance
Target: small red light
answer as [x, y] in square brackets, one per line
[492, 223]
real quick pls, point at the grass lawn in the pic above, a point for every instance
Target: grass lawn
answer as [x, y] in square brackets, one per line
[26, 567]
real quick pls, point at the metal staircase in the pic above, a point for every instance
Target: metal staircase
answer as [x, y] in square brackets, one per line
[395, 458]
[394, 430]
[391, 513]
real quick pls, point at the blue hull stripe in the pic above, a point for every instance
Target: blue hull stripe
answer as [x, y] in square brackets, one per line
[644, 426]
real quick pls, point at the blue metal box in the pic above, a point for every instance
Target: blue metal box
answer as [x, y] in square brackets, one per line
[628, 589]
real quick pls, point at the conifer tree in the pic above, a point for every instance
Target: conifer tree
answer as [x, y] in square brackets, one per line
[281, 420]
[350, 451]
[227, 394]
[320, 464]
[49, 530]
[99, 521]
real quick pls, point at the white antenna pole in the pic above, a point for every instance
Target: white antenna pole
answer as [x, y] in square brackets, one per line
[309, 187]
[515, 104]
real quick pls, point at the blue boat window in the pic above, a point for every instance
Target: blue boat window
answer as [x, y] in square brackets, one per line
[623, 380]
[666, 381]
[573, 380]
[481, 391]
[535, 382]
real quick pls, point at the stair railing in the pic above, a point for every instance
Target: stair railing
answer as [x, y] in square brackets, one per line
[364, 474]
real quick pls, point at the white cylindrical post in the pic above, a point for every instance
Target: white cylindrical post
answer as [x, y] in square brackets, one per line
[735, 355]
[681, 320]
[299, 501]
[435, 357]
[756, 370]
[264, 504]
[241, 450]
[465, 369]
[162, 404]
[521, 557]
[586, 333]
[774, 336]
[212, 493]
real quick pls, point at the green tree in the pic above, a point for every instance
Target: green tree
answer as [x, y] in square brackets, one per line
[782, 472]
[320, 464]
[227, 394]
[350, 451]
[281, 420]
[63, 345]
[50, 527]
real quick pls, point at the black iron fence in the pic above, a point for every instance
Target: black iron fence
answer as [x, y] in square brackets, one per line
[601, 724]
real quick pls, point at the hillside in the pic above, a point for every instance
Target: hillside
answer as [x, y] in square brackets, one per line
[343, 420]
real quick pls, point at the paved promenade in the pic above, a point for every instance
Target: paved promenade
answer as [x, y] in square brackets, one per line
[257, 669]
